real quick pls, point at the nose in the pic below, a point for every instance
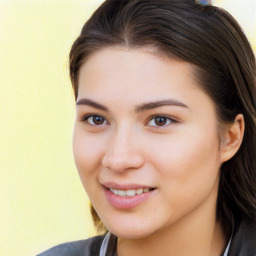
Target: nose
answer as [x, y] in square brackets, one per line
[123, 152]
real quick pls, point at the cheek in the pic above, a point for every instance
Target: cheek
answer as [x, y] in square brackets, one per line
[187, 160]
[189, 173]
[87, 154]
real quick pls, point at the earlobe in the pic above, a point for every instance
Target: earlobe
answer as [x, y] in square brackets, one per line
[232, 139]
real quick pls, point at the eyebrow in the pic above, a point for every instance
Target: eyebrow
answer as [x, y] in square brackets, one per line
[138, 108]
[91, 103]
[160, 103]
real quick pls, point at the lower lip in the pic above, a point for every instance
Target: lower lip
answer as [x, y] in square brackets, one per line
[127, 202]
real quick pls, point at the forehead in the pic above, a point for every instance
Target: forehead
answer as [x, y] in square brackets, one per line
[134, 70]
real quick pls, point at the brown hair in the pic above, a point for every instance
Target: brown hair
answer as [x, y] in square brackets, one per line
[211, 39]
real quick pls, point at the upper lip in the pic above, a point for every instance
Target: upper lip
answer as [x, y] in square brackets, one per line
[125, 186]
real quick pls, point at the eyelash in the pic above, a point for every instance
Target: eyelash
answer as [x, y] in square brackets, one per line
[86, 119]
[168, 119]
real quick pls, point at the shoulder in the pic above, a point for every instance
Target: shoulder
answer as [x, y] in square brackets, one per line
[244, 239]
[88, 247]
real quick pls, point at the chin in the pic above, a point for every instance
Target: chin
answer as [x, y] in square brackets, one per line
[130, 235]
[130, 231]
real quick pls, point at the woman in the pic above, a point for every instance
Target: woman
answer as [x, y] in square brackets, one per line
[164, 139]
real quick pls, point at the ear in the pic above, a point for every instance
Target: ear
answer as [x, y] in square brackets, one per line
[232, 138]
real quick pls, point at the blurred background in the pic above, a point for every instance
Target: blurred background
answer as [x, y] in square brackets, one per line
[42, 200]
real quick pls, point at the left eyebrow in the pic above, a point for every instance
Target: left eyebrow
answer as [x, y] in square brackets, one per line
[157, 104]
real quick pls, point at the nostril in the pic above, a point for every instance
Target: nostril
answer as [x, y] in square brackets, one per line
[123, 153]
[122, 162]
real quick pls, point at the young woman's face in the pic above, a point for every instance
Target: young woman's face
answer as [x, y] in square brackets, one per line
[145, 142]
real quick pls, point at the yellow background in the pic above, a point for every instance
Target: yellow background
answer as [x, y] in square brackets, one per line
[42, 200]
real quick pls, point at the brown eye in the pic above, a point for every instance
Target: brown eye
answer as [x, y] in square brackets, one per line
[96, 120]
[158, 121]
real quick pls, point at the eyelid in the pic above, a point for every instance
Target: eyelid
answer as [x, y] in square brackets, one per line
[170, 118]
[85, 118]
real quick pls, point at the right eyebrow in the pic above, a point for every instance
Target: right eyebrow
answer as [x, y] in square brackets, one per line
[160, 103]
[91, 103]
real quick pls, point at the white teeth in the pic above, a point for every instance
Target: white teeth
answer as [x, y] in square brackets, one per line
[139, 191]
[114, 191]
[122, 193]
[130, 192]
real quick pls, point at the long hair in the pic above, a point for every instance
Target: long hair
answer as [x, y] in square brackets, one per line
[208, 37]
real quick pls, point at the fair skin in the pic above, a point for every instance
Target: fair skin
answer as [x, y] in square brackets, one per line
[171, 148]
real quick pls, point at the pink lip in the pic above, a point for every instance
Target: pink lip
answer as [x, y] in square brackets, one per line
[126, 203]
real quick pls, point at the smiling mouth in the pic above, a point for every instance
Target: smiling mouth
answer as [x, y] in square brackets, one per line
[130, 192]
[128, 196]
